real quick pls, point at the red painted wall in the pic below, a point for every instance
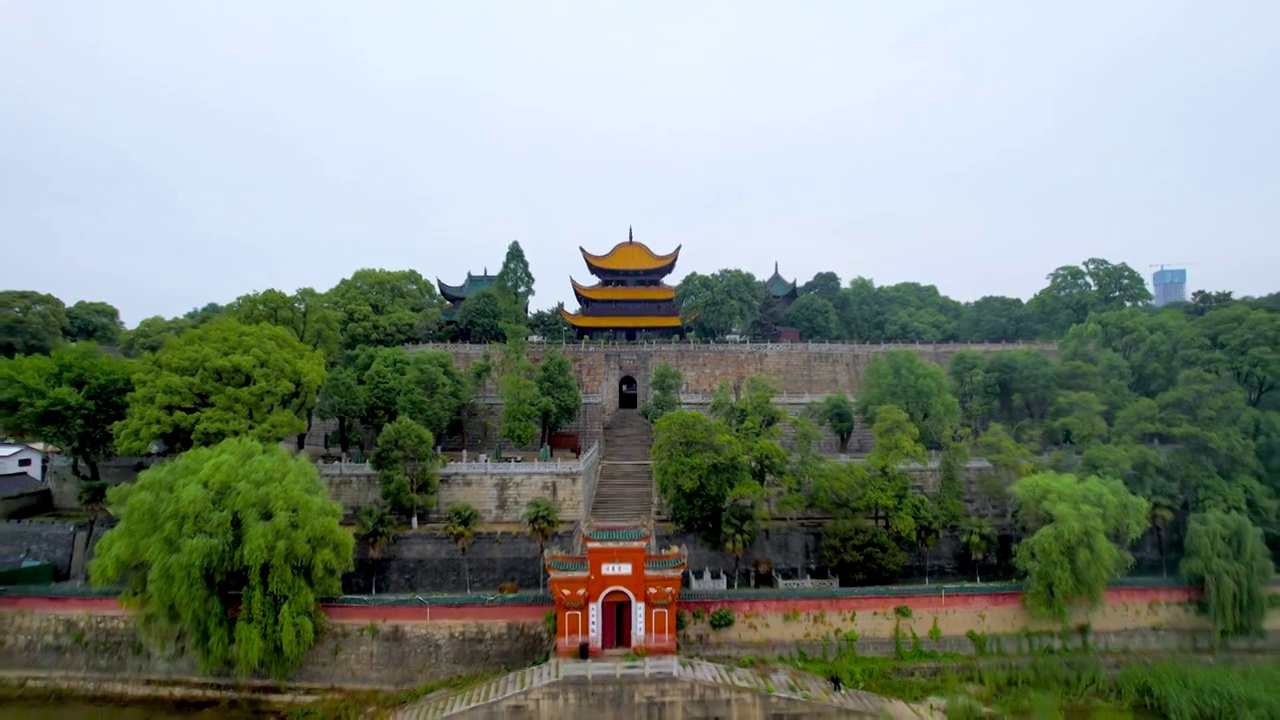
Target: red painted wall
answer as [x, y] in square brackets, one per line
[919, 602]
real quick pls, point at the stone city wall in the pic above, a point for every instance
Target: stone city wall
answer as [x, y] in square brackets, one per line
[797, 368]
[1130, 619]
[354, 652]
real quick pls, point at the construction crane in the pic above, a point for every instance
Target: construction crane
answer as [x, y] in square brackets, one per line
[1172, 265]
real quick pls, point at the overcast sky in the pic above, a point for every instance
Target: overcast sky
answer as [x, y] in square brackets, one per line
[161, 155]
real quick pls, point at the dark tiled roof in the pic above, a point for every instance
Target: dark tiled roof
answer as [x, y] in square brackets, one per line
[777, 286]
[470, 285]
[663, 563]
[18, 484]
[619, 535]
[568, 565]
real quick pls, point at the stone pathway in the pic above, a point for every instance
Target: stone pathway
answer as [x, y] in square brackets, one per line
[780, 682]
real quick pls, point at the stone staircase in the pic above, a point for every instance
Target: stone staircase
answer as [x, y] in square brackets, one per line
[624, 490]
[778, 682]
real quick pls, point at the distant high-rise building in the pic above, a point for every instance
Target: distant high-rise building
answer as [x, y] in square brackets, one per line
[1170, 285]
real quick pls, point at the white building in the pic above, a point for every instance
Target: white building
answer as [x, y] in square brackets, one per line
[16, 459]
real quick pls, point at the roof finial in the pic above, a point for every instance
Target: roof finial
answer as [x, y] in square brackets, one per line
[630, 235]
[775, 267]
[486, 269]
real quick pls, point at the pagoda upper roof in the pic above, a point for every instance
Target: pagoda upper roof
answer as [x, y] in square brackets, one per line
[473, 283]
[778, 286]
[603, 292]
[637, 322]
[630, 256]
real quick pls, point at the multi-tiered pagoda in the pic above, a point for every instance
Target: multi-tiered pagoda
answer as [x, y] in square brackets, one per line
[630, 300]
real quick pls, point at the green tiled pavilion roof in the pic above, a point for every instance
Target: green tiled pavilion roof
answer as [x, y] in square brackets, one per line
[777, 286]
[623, 535]
[663, 563]
[470, 285]
[568, 565]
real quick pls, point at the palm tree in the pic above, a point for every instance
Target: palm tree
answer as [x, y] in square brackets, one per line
[740, 527]
[461, 526]
[977, 536]
[93, 498]
[542, 518]
[376, 530]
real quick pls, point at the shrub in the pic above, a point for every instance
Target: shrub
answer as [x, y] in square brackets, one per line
[902, 611]
[682, 620]
[721, 619]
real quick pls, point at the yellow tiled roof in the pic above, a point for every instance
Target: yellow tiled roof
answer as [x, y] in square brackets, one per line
[630, 255]
[600, 292]
[642, 321]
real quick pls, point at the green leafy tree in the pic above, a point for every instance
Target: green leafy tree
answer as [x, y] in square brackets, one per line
[435, 391]
[1227, 559]
[481, 316]
[409, 467]
[304, 313]
[559, 400]
[461, 526]
[978, 536]
[31, 323]
[974, 390]
[521, 402]
[902, 379]
[226, 551]
[837, 412]
[696, 462]
[1077, 419]
[97, 322]
[995, 319]
[70, 399]
[886, 492]
[860, 554]
[542, 519]
[719, 304]
[151, 334]
[665, 396]
[929, 521]
[861, 311]
[375, 530]
[1025, 382]
[815, 317]
[740, 528]
[515, 278]
[550, 325]
[825, 285]
[1246, 345]
[342, 398]
[221, 380]
[385, 308]
[1079, 529]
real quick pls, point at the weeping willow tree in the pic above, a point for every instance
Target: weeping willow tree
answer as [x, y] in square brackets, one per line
[224, 552]
[1080, 530]
[1228, 560]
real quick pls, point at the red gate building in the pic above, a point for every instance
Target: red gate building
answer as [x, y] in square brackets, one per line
[618, 596]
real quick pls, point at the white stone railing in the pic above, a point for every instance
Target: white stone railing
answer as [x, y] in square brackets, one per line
[540, 467]
[742, 347]
[808, 583]
[706, 582]
[587, 399]
[782, 398]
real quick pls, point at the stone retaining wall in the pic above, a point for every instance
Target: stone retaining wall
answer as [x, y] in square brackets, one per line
[348, 654]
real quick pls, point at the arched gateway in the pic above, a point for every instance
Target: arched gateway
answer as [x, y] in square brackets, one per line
[618, 595]
[628, 393]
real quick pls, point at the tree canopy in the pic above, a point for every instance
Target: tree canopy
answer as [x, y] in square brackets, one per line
[407, 463]
[901, 378]
[30, 322]
[218, 381]
[385, 308]
[97, 322]
[1228, 560]
[71, 399]
[226, 551]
